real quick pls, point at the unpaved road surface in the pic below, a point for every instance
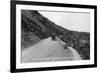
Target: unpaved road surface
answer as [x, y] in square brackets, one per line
[49, 50]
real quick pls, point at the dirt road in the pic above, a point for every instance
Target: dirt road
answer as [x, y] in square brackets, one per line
[49, 50]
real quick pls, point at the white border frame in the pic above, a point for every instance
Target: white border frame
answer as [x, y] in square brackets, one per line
[20, 65]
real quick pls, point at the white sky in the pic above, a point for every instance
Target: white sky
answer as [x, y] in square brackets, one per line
[69, 20]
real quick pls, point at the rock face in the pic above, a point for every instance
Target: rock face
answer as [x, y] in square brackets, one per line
[35, 27]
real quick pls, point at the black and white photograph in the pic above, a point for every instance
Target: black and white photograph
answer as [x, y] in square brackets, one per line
[54, 36]
[51, 36]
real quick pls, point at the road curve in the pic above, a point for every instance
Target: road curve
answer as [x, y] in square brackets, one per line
[49, 50]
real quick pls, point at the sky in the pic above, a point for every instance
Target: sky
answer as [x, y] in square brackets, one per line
[69, 20]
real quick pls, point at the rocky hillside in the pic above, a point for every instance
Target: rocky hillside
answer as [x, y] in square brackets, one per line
[36, 27]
